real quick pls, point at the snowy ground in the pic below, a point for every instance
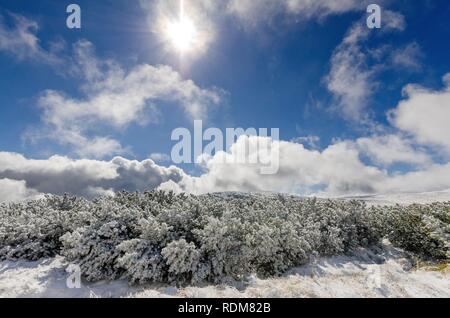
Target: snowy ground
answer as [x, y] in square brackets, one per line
[364, 275]
[376, 199]
[405, 198]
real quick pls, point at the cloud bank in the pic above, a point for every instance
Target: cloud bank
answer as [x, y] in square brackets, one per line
[345, 167]
[336, 170]
[89, 178]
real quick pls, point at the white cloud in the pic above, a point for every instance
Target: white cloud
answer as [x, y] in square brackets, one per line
[393, 21]
[13, 191]
[424, 114]
[115, 97]
[207, 14]
[97, 147]
[21, 41]
[337, 170]
[407, 57]
[310, 141]
[390, 149]
[434, 178]
[351, 79]
[160, 157]
[59, 175]
[263, 11]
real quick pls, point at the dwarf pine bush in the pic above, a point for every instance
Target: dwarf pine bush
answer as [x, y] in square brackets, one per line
[421, 229]
[32, 230]
[184, 239]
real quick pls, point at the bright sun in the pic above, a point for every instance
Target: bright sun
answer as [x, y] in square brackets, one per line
[182, 33]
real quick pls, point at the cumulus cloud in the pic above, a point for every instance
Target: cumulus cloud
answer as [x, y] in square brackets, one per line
[424, 114]
[13, 191]
[436, 177]
[114, 98]
[337, 170]
[20, 40]
[89, 178]
[386, 150]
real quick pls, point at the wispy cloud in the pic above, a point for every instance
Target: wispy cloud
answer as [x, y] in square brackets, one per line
[264, 11]
[351, 79]
[251, 14]
[407, 57]
[20, 40]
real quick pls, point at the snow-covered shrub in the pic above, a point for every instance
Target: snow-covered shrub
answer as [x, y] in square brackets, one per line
[421, 229]
[31, 230]
[163, 237]
[141, 261]
[183, 259]
[222, 241]
[95, 249]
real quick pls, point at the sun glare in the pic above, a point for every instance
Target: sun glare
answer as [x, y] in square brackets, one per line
[182, 33]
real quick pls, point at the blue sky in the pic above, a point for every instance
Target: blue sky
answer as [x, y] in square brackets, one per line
[271, 66]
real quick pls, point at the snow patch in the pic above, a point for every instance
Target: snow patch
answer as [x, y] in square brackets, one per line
[386, 273]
